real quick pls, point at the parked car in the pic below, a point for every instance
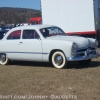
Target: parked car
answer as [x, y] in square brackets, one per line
[46, 43]
[2, 32]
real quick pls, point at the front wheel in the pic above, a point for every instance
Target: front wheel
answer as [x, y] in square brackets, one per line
[59, 60]
[3, 59]
[85, 62]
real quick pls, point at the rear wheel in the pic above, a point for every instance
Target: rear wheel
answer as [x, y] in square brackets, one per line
[85, 62]
[3, 59]
[59, 60]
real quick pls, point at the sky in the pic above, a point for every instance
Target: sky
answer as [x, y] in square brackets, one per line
[33, 4]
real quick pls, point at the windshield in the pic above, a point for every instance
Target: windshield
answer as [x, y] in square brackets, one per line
[52, 31]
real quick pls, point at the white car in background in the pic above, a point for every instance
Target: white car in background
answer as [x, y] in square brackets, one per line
[46, 43]
[24, 24]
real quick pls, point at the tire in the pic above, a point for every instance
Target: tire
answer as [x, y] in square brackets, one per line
[4, 59]
[85, 62]
[59, 60]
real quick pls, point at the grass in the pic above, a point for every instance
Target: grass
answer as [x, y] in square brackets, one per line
[32, 79]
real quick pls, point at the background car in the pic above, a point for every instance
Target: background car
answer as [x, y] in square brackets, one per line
[2, 32]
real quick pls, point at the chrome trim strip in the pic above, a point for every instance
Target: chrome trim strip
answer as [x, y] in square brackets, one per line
[83, 57]
[24, 52]
[84, 48]
[78, 53]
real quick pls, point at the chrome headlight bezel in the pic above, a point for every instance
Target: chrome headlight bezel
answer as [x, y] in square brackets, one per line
[74, 48]
[95, 44]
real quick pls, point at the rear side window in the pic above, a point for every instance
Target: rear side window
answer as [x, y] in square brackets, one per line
[14, 35]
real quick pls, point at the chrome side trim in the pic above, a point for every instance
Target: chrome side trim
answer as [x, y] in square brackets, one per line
[24, 52]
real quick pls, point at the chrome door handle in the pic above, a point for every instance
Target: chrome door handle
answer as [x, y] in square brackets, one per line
[20, 42]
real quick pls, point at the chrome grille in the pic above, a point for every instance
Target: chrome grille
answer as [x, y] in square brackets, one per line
[89, 50]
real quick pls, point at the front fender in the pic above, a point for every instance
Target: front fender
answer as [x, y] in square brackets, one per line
[48, 46]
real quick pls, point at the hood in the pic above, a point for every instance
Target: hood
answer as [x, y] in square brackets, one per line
[80, 41]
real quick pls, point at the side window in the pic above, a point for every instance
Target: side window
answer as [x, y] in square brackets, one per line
[30, 34]
[14, 35]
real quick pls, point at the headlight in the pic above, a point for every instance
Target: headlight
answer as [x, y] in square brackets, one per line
[74, 48]
[96, 44]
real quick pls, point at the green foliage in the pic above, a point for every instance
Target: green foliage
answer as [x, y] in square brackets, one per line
[17, 15]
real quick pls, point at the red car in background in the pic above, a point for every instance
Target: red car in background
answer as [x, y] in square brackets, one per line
[35, 20]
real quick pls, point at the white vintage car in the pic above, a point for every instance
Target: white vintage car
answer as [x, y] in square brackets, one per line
[46, 43]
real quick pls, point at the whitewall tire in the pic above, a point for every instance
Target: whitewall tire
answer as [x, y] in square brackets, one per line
[59, 60]
[4, 59]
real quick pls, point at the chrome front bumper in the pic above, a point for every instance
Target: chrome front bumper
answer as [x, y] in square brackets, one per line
[85, 57]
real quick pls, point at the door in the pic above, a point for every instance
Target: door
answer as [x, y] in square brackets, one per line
[30, 48]
[11, 45]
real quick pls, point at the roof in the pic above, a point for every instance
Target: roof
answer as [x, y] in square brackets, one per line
[32, 26]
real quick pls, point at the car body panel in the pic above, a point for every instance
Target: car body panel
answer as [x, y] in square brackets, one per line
[29, 51]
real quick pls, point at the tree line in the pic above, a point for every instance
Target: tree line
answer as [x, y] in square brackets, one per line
[17, 15]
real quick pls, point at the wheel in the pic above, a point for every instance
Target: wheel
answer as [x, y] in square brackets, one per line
[85, 62]
[3, 59]
[59, 60]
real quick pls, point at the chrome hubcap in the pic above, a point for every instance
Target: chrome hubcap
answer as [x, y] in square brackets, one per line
[58, 60]
[2, 57]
